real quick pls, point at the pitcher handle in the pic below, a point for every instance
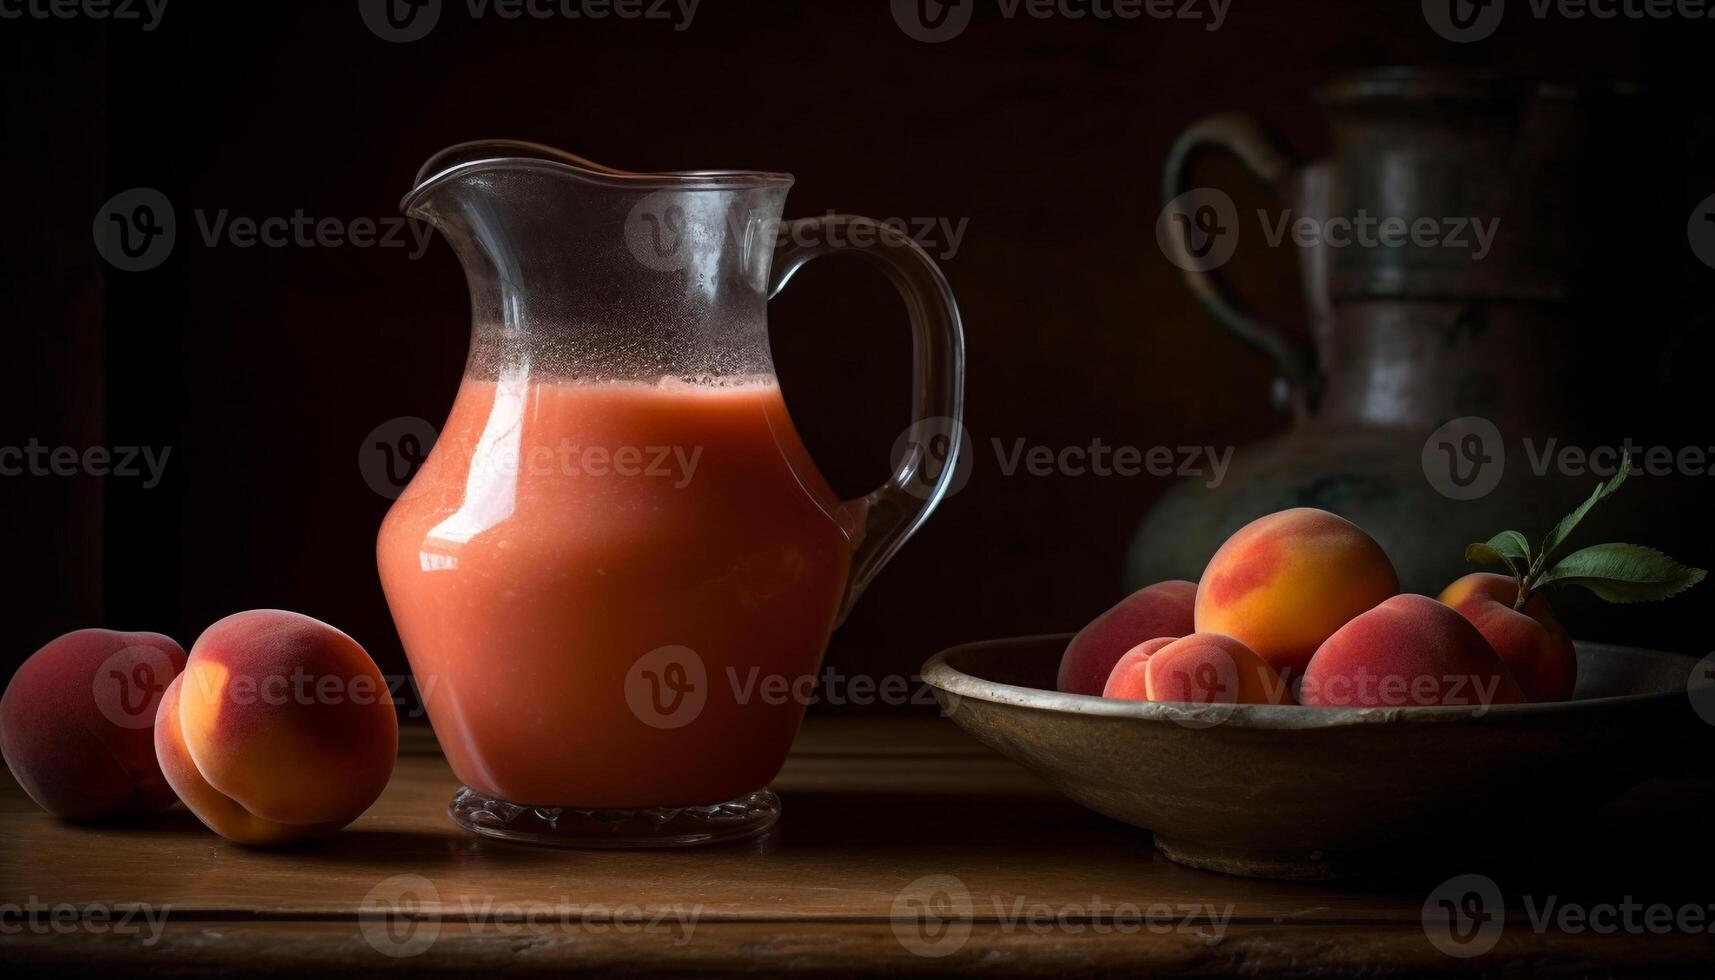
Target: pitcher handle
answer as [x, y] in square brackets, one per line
[895, 510]
[1268, 158]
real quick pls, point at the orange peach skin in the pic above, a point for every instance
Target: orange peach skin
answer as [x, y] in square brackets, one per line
[1410, 651]
[1284, 583]
[280, 729]
[1162, 609]
[1128, 681]
[1530, 641]
[1208, 668]
[77, 720]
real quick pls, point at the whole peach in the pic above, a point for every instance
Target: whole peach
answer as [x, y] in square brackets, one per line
[1208, 668]
[1408, 651]
[1284, 583]
[281, 728]
[1129, 680]
[1530, 641]
[77, 723]
[1162, 609]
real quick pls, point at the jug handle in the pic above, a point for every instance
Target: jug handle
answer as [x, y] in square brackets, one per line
[1266, 156]
[895, 510]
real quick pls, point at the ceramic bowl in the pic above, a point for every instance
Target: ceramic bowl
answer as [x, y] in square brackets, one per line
[1297, 792]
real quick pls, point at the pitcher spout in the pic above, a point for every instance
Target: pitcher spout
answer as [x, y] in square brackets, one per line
[581, 268]
[484, 155]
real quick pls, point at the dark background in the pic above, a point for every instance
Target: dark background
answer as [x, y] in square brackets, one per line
[264, 369]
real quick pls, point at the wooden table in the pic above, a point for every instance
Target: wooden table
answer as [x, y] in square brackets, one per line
[904, 848]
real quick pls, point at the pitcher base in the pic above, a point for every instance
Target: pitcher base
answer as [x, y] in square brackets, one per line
[668, 826]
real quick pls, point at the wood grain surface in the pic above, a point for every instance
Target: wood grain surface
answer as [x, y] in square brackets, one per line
[904, 848]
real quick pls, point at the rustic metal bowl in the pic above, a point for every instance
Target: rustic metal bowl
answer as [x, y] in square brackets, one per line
[1296, 792]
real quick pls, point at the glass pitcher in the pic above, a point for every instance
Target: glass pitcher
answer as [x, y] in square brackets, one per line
[618, 554]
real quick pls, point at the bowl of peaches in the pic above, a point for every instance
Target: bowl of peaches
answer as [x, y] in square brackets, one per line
[1291, 714]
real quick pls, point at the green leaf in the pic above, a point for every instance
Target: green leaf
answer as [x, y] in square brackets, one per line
[1508, 547]
[1569, 523]
[1482, 554]
[1623, 573]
